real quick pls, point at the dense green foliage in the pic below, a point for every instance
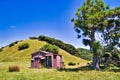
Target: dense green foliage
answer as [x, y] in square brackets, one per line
[32, 38]
[23, 46]
[116, 53]
[84, 54]
[67, 47]
[50, 48]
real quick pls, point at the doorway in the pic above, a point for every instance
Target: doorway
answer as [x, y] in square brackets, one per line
[48, 61]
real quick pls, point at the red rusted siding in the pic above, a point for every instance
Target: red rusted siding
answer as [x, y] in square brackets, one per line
[56, 59]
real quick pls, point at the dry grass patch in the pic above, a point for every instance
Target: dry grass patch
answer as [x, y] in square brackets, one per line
[14, 68]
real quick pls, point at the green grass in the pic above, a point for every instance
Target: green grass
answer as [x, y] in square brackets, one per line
[27, 73]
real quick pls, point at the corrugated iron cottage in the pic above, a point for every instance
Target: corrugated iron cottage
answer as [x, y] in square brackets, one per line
[46, 59]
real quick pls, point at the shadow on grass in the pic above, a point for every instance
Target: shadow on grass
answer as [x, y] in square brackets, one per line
[89, 68]
[114, 70]
[83, 68]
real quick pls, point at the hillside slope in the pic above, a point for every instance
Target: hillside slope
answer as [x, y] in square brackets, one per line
[11, 54]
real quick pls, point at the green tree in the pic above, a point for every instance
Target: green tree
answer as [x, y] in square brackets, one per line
[90, 19]
[50, 48]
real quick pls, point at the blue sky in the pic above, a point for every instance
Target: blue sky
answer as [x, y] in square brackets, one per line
[20, 19]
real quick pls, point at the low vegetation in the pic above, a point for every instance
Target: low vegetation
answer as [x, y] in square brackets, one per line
[13, 43]
[14, 68]
[33, 38]
[1, 49]
[50, 48]
[84, 54]
[23, 46]
[67, 47]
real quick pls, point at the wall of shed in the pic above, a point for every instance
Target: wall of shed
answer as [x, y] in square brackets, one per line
[56, 60]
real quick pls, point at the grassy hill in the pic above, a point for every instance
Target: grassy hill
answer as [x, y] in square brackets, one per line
[12, 54]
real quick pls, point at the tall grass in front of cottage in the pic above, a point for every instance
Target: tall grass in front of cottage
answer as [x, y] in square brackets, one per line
[27, 73]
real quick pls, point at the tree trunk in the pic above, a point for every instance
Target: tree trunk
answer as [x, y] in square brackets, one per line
[96, 62]
[96, 58]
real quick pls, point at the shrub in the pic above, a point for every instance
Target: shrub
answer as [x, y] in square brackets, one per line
[1, 49]
[14, 68]
[71, 64]
[50, 48]
[13, 43]
[16, 42]
[23, 46]
[118, 63]
[32, 38]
